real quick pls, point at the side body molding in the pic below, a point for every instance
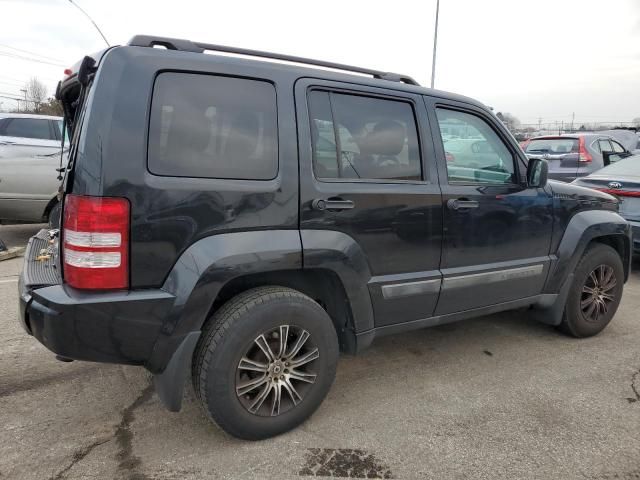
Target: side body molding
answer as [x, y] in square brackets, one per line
[338, 252]
[582, 228]
[205, 267]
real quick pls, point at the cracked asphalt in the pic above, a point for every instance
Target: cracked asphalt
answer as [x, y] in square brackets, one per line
[500, 397]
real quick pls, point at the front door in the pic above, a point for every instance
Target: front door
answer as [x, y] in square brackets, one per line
[497, 231]
[368, 185]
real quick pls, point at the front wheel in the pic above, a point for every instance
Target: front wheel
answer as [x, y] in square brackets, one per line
[596, 292]
[265, 362]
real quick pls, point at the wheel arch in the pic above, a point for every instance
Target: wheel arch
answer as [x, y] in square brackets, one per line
[585, 227]
[321, 285]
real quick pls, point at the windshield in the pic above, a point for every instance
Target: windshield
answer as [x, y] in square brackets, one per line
[553, 145]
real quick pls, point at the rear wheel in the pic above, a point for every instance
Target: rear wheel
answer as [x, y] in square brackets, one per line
[265, 362]
[596, 292]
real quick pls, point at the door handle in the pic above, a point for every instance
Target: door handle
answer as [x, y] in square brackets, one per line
[461, 204]
[332, 204]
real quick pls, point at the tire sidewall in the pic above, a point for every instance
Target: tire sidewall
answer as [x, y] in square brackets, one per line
[575, 320]
[220, 381]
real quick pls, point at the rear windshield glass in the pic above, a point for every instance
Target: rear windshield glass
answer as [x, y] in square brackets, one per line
[553, 145]
[213, 126]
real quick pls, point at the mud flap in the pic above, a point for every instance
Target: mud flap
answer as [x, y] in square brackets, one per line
[169, 384]
[550, 308]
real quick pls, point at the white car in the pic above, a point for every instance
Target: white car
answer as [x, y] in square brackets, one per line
[29, 156]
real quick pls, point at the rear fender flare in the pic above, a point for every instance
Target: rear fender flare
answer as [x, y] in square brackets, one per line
[340, 253]
[205, 267]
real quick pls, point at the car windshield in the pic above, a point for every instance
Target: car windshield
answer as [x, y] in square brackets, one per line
[629, 166]
[553, 145]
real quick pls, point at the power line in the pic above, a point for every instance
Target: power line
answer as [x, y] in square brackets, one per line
[30, 53]
[22, 57]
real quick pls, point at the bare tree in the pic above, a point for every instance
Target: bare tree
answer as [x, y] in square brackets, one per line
[636, 122]
[36, 93]
[511, 121]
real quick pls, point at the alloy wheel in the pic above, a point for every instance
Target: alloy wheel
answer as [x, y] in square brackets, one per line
[276, 371]
[598, 293]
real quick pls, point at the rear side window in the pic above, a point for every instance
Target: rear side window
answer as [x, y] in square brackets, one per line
[212, 126]
[617, 147]
[28, 128]
[376, 138]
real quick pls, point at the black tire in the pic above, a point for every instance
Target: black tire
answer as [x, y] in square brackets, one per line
[229, 336]
[576, 321]
[54, 216]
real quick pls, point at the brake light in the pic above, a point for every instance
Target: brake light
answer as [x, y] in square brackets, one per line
[67, 72]
[620, 193]
[95, 235]
[585, 156]
[449, 157]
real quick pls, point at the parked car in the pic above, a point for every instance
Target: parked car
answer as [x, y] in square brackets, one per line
[29, 188]
[621, 179]
[628, 138]
[29, 155]
[242, 222]
[29, 134]
[575, 155]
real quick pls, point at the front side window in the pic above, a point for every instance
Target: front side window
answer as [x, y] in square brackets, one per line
[28, 128]
[474, 151]
[358, 137]
[213, 127]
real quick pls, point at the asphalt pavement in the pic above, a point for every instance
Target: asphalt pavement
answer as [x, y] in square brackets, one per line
[500, 397]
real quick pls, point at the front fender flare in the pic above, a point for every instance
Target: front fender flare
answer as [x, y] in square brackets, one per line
[582, 229]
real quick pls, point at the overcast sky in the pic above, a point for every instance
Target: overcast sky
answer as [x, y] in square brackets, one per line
[536, 59]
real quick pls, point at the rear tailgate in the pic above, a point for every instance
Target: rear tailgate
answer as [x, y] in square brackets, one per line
[561, 153]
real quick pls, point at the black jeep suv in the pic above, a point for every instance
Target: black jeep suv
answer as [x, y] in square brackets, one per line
[247, 220]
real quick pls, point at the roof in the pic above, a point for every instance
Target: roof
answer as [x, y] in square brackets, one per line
[303, 66]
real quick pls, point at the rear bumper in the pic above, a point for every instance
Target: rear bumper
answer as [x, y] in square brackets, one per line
[116, 327]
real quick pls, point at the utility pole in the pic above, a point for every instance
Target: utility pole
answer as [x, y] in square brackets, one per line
[435, 46]
[25, 99]
[539, 123]
[573, 117]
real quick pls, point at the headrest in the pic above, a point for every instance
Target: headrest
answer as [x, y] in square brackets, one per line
[387, 138]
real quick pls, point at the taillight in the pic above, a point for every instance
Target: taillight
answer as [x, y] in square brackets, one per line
[620, 193]
[585, 156]
[95, 239]
[449, 157]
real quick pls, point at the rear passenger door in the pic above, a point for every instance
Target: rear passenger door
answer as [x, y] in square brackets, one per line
[368, 182]
[497, 231]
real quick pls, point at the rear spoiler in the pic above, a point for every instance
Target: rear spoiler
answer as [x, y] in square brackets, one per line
[70, 90]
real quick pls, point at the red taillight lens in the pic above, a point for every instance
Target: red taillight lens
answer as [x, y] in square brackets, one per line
[585, 156]
[620, 193]
[95, 239]
[449, 157]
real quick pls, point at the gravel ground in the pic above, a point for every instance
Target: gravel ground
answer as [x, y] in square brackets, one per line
[500, 397]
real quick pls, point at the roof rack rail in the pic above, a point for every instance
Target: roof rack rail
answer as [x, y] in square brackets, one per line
[198, 47]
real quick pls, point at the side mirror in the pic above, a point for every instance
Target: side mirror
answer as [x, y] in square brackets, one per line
[537, 172]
